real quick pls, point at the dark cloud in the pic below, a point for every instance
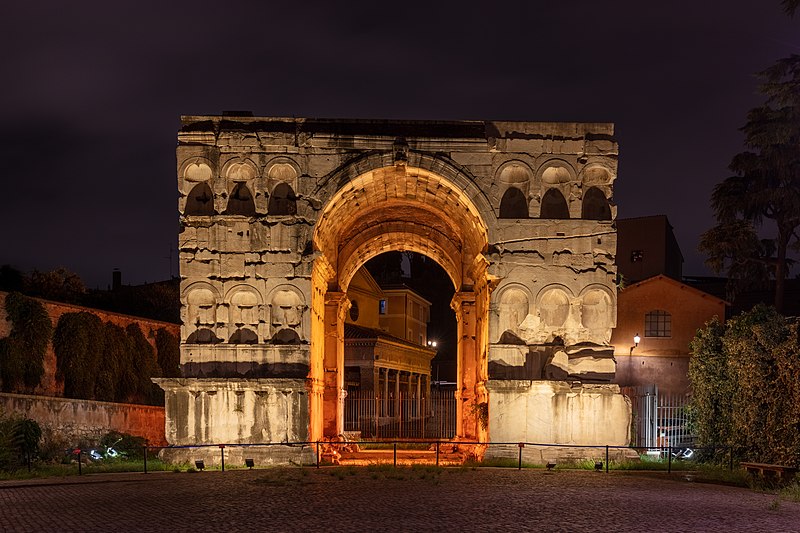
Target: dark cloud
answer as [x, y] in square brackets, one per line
[92, 92]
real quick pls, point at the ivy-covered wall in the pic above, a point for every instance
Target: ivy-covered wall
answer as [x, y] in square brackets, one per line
[132, 359]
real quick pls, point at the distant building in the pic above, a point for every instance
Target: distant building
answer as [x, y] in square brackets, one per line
[385, 347]
[646, 247]
[665, 314]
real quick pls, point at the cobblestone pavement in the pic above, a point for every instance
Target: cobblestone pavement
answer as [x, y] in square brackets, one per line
[371, 499]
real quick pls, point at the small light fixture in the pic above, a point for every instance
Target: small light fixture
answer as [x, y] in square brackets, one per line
[598, 466]
[636, 340]
[200, 465]
[432, 344]
[550, 466]
[249, 463]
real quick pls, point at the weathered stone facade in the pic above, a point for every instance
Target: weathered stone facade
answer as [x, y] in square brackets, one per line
[277, 215]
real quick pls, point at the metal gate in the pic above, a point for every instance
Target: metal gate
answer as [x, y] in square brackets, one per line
[659, 420]
[401, 417]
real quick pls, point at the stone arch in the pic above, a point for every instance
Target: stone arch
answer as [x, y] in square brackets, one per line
[282, 201]
[201, 302]
[513, 204]
[511, 309]
[244, 314]
[240, 170]
[554, 205]
[595, 174]
[553, 304]
[598, 314]
[556, 172]
[196, 169]
[595, 205]
[373, 205]
[241, 201]
[200, 201]
[286, 315]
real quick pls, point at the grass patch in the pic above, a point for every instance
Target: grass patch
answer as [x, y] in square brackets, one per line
[791, 492]
[44, 470]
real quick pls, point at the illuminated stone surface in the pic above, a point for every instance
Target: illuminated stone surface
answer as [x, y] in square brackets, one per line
[263, 294]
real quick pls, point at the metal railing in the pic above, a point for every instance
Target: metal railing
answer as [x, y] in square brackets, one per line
[403, 416]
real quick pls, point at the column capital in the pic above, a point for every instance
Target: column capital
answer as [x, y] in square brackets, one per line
[462, 302]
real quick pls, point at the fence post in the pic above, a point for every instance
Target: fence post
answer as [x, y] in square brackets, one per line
[395, 454]
[318, 454]
[145, 458]
[669, 459]
[606, 458]
[222, 455]
[519, 463]
[79, 462]
[437, 453]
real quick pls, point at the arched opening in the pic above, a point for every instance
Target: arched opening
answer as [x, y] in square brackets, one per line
[513, 204]
[282, 201]
[241, 201]
[554, 205]
[400, 209]
[200, 201]
[403, 300]
[595, 205]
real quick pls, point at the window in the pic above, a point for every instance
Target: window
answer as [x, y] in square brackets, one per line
[382, 307]
[354, 310]
[657, 324]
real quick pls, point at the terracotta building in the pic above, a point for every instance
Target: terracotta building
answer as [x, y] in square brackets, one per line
[385, 347]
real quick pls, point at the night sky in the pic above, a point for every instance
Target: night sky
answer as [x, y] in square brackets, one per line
[92, 92]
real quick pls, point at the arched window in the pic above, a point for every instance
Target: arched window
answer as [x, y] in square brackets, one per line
[513, 204]
[202, 336]
[554, 205]
[282, 201]
[200, 201]
[658, 323]
[241, 202]
[595, 205]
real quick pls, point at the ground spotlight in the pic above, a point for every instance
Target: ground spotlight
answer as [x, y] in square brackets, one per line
[598, 466]
[249, 463]
[550, 466]
[200, 465]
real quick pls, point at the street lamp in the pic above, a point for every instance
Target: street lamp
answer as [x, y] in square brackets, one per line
[636, 340]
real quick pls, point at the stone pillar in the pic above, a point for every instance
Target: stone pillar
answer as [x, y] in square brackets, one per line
[336, 306]
[463, 304]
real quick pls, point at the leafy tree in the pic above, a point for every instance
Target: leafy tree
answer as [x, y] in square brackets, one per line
[169, 354]
[765, 190]
[60, 285]
[78, 343]
[747, 394]
[11, 279]
[790, 6]
[19, 441]
[22, 353]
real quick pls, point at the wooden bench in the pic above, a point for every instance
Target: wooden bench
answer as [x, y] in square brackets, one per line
[783, 473]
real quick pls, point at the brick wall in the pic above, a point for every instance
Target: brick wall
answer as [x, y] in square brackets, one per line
[52, 387]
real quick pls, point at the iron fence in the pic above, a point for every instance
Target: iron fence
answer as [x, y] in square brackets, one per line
[659, 420]
[403, 416]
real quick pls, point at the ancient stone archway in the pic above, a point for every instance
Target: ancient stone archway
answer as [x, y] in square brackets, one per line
[400, 207]
[263, 288]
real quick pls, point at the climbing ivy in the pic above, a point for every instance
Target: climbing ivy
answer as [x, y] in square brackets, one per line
[78, 343]
[22, 353]
[169, 354]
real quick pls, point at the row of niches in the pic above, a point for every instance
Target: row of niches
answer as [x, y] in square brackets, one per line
[520, 318]
[554, 172]
[240, 200]
[589, 204]
[243, 318]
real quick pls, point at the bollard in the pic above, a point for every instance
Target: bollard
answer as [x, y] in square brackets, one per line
[222, 455]
[519, 464]
[145, 458]
[79, 462]
[606, 458]
[669, 459]
[318, 454]
[395, 454]
[437, 453]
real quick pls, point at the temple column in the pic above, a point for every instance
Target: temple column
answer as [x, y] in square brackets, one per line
[463, 304]
[336, 306]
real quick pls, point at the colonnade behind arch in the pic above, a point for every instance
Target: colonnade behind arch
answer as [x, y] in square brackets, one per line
[277, 215]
